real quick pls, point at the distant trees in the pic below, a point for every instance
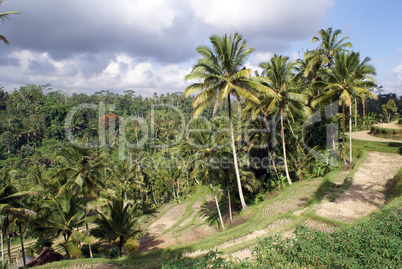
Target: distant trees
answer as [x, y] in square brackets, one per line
[389, 110]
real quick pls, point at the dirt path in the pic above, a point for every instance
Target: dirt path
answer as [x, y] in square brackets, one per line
[364, 135]
[367, 190]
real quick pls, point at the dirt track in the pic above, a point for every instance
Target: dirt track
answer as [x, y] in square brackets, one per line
[367, 191]
[364, 135]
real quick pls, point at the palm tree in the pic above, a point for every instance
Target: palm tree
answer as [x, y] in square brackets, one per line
[84, 172]
[348, 78]
[330, 46]
[5, 16]
[128, 175]
[285, 100]
[221, 74]
[118, 225]
[12, 208]
[60, 216]
[206, 151]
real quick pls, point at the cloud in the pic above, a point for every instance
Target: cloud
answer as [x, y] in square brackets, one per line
[123, 72]
[271, 24]
[394, 81]
[120, 44]
[399, 49]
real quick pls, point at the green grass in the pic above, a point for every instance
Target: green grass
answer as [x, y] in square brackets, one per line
[387, 147]
[395, 188]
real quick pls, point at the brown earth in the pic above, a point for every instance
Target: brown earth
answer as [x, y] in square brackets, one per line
[367, 192]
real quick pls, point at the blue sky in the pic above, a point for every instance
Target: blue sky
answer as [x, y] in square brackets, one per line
[149, 45]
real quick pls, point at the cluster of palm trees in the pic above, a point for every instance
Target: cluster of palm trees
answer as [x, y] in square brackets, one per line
[60, 204]
[287, 89]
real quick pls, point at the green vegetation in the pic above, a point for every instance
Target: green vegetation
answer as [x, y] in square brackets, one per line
[370, 242]
[390, 133]
[86, 174]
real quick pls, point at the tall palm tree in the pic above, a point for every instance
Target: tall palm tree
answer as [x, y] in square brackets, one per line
[286, 99]
[221, 74]
[5, 16]
[330, 46]
[348, 78]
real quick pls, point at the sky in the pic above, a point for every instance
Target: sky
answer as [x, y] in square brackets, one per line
[149, 45]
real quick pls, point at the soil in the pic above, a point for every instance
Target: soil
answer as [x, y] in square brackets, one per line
[157, 236]
[364, 135]
[367, 191]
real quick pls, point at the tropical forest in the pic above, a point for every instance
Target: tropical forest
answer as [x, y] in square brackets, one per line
[296, 164]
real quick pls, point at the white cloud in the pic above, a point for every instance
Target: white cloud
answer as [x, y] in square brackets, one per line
[124, 72]
[143, 44]
[399, 49]
[258, 15]
[394, 81]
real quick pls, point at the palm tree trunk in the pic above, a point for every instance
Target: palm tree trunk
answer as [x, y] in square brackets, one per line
[2, 248]
[22, 245]
[243, 203]
[284, 149]
[217, 207]
[273, 162]
[350, 133]
[8, 239]
[229, 201]
[364, 112]
[343, 133]
[355, 112]
[86, 222]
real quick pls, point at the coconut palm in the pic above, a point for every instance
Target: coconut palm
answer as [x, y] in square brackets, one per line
[83, 171]
[128, 175]
[286, 99]
[221, 74]
[348, 78]
[119, 225]
[330, 46]
[11, 207]
[206, 154]
[60, 216]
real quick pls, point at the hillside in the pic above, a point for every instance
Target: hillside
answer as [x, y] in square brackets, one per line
[341, 197]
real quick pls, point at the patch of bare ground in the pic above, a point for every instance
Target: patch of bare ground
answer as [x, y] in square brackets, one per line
[153, 238]
[367, 191]
[323, 227]
[365, 135]
[196, 234]
[274, 226]
[297, 198]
